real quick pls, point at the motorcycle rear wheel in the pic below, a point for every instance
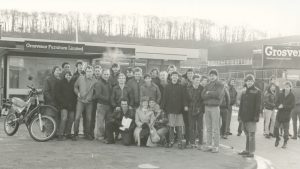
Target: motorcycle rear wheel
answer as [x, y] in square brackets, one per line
[47, 131]
[11, 126]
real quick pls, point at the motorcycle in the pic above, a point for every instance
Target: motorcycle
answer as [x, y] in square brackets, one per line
[41, 126]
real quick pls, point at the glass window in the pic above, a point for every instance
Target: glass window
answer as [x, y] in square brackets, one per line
[20, 68]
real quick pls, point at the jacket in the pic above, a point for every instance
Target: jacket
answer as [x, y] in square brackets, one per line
[250, 105]
[225, 104]
[174, 99]
[288, 102]
[49, 91]
[65, 95]
[142, 117]
[85, 87]
[102, 92]
[213, 93]
[135, 87]
[233, 95]
[151, 91]
[195, 101]
[113, 78]
[161, 120]
[118, 94]
[117, 116]
[270, 100]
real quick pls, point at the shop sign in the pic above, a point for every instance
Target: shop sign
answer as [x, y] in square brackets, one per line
[281, 56]
[53, 47]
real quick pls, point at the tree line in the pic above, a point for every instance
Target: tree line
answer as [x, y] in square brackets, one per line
[132, 26]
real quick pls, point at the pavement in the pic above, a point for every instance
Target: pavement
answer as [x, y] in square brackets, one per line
[21, 151]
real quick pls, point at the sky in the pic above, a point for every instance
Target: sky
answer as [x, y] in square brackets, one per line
[277, 17]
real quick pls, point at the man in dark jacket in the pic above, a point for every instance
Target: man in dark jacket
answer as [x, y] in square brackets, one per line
[174, 103]
[196, 111]
[114, 73]
[285, 102]
[121, 91]
[135, 85]
[150, 89]
[233, 95]
[212, 97]
[249, 110]
[102, 93]
[296, 110]
[269, 110]
[49, 91]
[114, 122]
[66, 99]
[224, 110]
[155, 77]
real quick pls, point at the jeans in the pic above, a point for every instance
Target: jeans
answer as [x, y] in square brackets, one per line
[250, 129]
[224, 114]
[286, 126]
[228, 120]
[212, 117]
[102, 111]
[66, 122]
[93, 121]
[196, 127]
[295, 117]
[87, 108]
[269, 121]
[179, 132]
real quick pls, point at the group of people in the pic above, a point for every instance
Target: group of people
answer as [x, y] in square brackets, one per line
[160, 108]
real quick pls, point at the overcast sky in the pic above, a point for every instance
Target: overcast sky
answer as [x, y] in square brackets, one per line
[274, 16]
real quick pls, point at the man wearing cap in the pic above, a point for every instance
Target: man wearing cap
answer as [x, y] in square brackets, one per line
[212, 97]
[249, 110]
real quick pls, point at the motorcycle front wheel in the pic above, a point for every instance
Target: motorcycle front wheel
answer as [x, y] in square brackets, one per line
[11, 125]
[44, 129]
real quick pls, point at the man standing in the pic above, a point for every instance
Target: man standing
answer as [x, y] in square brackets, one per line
[224, 110]
[84, 87]
[212, 96]
[233, 95]
[196, 111]
[249, 110]
[114, 73]
[121, 91]
[296, 110]
[135, 85]
[174, 103]
[150, 90]
[102, 97]
[114, 122]
[285, 102]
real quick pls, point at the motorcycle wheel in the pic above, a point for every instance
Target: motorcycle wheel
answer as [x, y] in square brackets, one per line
[11, 126]
[44, 133]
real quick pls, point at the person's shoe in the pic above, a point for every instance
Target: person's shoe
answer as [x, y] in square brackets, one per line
[224, 137]
[228, 133]
[89, 137]
[277, 142]
[284, 145]
[239, 134]
[249, 155]
[268, 136]
[60, 138]
[75, 138]
[215, 150]
[108, 142]
[69, 136]
[207, 148]
[243, 153]
[271, 135]
[294, 138]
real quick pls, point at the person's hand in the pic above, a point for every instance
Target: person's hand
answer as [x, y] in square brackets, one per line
[130, 107]
[118, 108]
[207, 92]
[78, 94]
[280, 106]
[186, 108]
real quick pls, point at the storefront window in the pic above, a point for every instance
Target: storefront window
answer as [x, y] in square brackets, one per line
[39, 68]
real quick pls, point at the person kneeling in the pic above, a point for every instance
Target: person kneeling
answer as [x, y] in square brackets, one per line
[143, 118]
[120, 121]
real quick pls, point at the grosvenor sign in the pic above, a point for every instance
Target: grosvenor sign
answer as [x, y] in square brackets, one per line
[281, 56]
[53, 47]
[288, 51]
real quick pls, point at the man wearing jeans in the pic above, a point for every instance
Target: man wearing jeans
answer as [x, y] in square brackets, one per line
[102, 96]
[212, 96]
[84, 87]
[249, 110]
